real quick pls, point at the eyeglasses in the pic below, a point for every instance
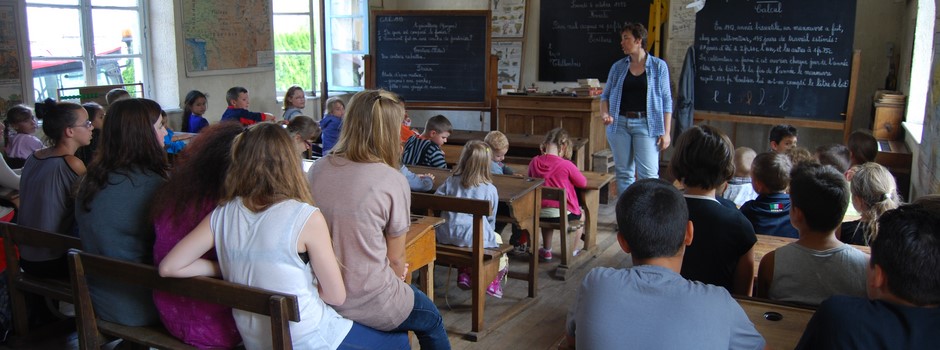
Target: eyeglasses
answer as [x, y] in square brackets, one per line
[86, 124]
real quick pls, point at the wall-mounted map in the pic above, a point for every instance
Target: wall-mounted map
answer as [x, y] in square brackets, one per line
[225, 37]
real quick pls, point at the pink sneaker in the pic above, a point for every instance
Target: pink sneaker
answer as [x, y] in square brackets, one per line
[463, 279]
[496, 287]
[545, 254]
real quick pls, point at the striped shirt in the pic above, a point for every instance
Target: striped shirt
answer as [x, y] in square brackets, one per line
[423, 152]
[658, 95]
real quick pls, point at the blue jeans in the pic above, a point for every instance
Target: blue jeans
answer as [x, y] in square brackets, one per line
[425, 320]
[363, 337]
[636, 155]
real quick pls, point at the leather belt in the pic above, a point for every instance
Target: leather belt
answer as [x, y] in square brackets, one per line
[634, 115]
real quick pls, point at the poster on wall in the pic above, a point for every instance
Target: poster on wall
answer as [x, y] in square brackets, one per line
[510, 61]
[508, 18]
[11, 85]
[237, 39]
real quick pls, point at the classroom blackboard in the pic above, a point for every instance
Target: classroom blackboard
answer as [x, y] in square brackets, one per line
[432, 56]
[581, 38]
[774, 58]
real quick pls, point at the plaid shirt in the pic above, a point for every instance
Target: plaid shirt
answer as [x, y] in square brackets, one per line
[658, 95]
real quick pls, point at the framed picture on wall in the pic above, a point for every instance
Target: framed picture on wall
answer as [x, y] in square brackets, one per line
[508, 18]
[510, 62]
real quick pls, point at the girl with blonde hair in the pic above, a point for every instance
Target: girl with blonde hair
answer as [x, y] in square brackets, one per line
[268, 234]
[873, 193]
[472, 180]
[365, 200]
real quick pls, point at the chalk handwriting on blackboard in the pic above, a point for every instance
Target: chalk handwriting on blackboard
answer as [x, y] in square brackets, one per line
[796, 62]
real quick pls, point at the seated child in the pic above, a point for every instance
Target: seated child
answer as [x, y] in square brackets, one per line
[500, 145]
[903, 291]
[834, 154]
[194, 106]
[722, 253]
[862, 147]
[873, 193]
[770, 212]
[558, 171]
[782, 137]
[406, 130]
[418, 182]
[472, 180]
[294, 102]
[303, 130]
[172, 147]
[238, 103]
[425, 150]
[115, 95]
[799, 155]
[21, 125]
[816, 266]
[739, 189]
[332, 123]
[638, 305]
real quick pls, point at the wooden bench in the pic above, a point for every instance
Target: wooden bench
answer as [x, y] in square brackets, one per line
[565, 229]
[780, 324]
[280, 307]
[19, 282]
[483, 262]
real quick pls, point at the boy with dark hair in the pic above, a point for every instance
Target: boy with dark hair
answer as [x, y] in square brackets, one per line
[653, 229]
[862, 147]
[903, 291]
[238, 103]
[834, 154]
[817, 265]
[425, 149]
[782, 137]
[723, 253]
[769, 214]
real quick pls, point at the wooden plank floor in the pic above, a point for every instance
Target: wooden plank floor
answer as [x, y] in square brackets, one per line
[541, 326]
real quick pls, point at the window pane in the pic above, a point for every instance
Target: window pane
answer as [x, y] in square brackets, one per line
[293, 70]
[347, 70]
[291, 6]
[292, 33]
[116, 31]
[48, 76]
[114, 3]
[53, 2]
[346, 7]
[113, 71]
[347, 34]
[60, 40]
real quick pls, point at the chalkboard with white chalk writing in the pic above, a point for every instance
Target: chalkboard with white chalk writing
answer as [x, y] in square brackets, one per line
[581, 38]
[432, 56]
[774, 58]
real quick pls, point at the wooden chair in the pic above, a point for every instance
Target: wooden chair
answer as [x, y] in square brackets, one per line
[279, 306]
[780, 324]
[451, 154]
[19, 282]
[565, 229]
[483, 262]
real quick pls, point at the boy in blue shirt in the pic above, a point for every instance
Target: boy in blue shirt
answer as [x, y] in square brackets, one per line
[770, 212]
[650, 305]
[238, 103]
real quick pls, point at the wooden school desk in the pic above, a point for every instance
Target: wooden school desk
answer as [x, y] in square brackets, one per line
[767, 243]
[420, 251]
[523, 145]
[780, 325]
[518, 193]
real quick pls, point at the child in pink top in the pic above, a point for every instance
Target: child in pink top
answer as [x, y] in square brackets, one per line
[553, 166]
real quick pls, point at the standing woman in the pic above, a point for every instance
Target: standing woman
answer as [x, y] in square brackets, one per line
[637, 105]
[112, 205]
[366, 202]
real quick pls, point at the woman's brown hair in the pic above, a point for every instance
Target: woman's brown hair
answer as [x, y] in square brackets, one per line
[372, 128]
[265, 169]
[128, 143]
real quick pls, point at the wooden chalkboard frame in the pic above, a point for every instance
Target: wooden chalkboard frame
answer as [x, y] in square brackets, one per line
[845, 125]
[490, 88]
